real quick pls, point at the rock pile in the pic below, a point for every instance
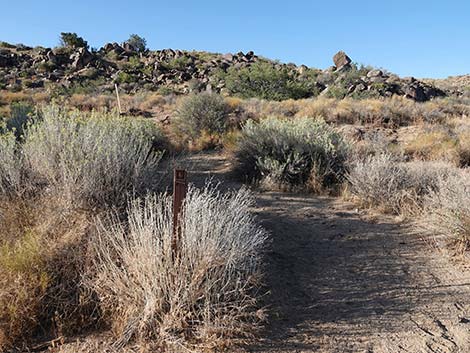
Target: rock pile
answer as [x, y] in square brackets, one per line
[183, 71]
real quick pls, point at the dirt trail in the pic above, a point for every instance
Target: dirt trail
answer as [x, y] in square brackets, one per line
[341, 280]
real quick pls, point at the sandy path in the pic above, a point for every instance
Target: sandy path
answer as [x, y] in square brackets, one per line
[343, 281]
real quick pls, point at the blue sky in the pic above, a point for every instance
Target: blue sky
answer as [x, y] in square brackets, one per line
[412, 38]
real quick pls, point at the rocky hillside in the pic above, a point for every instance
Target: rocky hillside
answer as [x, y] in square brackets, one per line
[455, 85]
[73, 69]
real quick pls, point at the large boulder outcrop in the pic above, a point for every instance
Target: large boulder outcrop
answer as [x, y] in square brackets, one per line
[341, 60]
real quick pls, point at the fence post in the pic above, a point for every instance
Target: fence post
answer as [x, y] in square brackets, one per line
[180, 186]
[118, 99]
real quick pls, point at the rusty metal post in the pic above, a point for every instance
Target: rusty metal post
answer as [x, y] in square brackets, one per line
[180, 186]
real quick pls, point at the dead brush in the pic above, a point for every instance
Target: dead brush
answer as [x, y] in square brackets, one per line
[200, 299]
[447, 211]
[386, 182]
[42, 258]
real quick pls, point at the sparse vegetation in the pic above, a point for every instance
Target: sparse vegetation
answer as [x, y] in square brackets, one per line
[73, 256]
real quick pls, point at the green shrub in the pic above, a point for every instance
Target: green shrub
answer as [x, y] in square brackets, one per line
[138, 43]
[179, 63]
[6, 45]
[11, 166]
[301, 152]
[203, 112]
[125, 77]
[266, 81]
[21, 114]
[72, 40]
[95, 159]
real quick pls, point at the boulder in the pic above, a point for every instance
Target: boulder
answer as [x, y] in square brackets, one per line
[341, 60]
[81, 58]
[228, 57]
[375, 73]
[108, 47]
[8, 59]
[415, 91]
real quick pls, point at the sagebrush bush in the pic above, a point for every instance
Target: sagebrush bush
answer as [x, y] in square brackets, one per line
[447, 210]
[20, 116]
[385, 181]
[11, 165]
[206, 293]
[96, 159]
[201, 112]
[291, 152]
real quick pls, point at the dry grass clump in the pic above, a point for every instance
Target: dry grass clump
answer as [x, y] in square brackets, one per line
[294, 153]
[42, 258]
[203, 296]
[386, 182]
[387, 112]
[447, 210]
[450, 142]
[436, 144]
[23, 283]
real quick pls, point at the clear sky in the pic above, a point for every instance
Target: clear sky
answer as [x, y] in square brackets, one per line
[421, 38]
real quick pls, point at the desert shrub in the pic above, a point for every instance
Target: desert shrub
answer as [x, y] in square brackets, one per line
[266, 81]
[290, 152]
[201, 112]
[447, 211]
[96, 159]
[386, 182]
[137, 42]
[464, 148]
[6, 45]
[179, 63]
[72, 40]
[205, 293]
[21, 114]
[11, 166]
[125, 77]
